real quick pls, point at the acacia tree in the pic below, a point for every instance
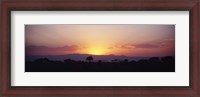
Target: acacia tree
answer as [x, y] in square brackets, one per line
[90, 58]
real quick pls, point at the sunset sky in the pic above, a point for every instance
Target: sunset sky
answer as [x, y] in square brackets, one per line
[118, 39]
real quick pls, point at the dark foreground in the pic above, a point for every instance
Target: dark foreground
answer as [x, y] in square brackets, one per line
[154, 64]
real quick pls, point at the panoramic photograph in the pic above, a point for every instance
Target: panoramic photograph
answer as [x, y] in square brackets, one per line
[99, 48]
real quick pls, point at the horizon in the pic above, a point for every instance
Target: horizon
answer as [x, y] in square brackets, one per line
[82, 57]
[98, 55]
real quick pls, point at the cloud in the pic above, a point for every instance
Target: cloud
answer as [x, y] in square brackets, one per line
[127, 46]
[124, 46]
[132, 46]
[68, 48]
[146, 45]
[168, 43]
[110, 47]
[46, 48]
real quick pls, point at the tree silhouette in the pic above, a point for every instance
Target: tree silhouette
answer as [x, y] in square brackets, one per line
[90, 58]
[126, 60]
[115, 60]
[42, 60]
[168, 59]
[67, 60]
[153, 64]
[99, 61]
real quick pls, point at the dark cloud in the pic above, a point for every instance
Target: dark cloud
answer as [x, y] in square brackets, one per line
[45, 48]
[68, 48]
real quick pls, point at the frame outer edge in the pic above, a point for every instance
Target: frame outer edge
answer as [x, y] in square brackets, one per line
[196, 71]
[3, 42]
[1, 48]
[195, 49]
[4, 49]
[198, 47]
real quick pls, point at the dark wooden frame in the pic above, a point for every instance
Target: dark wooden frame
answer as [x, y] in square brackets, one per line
[100, 5]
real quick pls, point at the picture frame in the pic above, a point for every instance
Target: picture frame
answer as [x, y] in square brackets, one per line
[193, 90]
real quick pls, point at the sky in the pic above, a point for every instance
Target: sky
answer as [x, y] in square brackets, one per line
[100, 39]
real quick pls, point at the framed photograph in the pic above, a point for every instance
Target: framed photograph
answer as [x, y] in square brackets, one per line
[137, 48]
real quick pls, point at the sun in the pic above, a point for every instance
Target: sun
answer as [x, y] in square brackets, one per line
[96, 51]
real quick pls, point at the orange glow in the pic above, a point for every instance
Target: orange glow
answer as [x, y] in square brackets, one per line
[96, 51]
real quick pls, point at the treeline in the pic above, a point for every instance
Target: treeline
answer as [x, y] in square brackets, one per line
[154, 64]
